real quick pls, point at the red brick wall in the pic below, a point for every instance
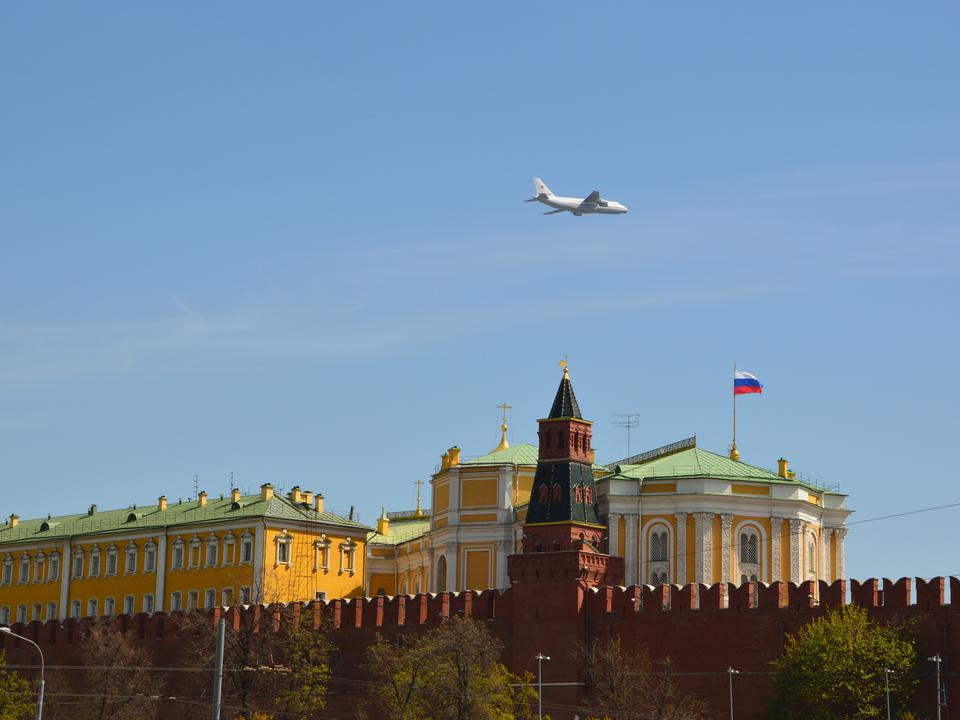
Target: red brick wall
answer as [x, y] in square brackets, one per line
[703, 629]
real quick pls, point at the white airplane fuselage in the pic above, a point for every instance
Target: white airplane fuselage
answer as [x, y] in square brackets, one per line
[578, 207]
[593, 204]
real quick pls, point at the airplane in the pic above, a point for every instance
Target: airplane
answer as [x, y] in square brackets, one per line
[592, 203]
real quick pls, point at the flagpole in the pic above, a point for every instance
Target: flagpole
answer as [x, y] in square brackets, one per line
[734, 454]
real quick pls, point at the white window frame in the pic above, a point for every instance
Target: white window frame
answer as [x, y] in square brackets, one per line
[93, 607]
[322, 559]
[7, 578]
[348, 557]
[246, 548]
[39, 567]
[77, 558]
[149, 606]
[195, 553]
[21, 613]
[177, 548]
[209, 598]
[284, 545]
[193, 599]
[53, 567]
[5, 615]
[246, 595]
[113, 561]
[24, 575]
[211, 551]
[37, 613]
[747, 527]
[150, 557]
[76, 609]
[130, 551]
[93, 567]
[229, 549]
[226, 597]
[661, 570]
[51, 611]
[109, 606]
[129, 605]
[176, 601]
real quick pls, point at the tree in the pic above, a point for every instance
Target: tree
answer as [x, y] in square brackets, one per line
[452, 672]
[117, 677]
[625, 683]
[833, 667]
[16, 696]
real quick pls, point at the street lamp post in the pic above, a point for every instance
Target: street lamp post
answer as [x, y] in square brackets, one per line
[540, 657]
[8, 631]
[730, 673]
[886, 684]
[936, 659]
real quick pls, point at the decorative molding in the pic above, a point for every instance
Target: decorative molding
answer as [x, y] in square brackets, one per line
[681, 544]
[776, 545]
[825, 555]
[726, 549]
[631, 548]
[704, 547]
[840, 534]
[796, 549]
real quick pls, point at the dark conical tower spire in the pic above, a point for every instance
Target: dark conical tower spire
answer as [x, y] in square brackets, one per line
[565, 403]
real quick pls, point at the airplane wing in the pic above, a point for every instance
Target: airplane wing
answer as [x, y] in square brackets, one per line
[554, 212]
[593, 198]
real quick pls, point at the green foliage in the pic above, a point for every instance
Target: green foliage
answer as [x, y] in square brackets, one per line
[16, 695]
[307, 655]
[624, 682]
[450, 673]
[833, 667]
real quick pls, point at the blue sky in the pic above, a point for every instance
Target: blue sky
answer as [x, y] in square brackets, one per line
[288, 242]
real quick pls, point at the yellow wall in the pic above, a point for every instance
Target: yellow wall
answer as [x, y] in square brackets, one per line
[478, 517]
[43, 592]
[478, 563]
[750, 489]
[382, 581]
[646, 489]
[478, 493]
[201, 578]
[441, 497]
[525, 485]
[300, 579]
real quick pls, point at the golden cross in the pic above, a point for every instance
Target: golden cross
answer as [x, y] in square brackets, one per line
[418, 483]
[504, 407]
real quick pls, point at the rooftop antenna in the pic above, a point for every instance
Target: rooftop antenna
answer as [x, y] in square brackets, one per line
[196, 486]
[628, 421]
[231, 479]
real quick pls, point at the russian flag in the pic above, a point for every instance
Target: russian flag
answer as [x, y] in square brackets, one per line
[744, 382]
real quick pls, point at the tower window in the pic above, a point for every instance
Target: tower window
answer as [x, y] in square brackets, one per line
[542, 492]
[557, 493]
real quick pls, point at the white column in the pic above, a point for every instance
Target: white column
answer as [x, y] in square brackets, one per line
[453, 515]
[840, 534]
[504, 548]
[796, 549]
[825, 534]
[681, 574]
[66, 567]
[453, 560]
[704, 547]
[613, 534]
[259, 540]
[631, 549]
[161, 566]
[776, 544]
[726, 551]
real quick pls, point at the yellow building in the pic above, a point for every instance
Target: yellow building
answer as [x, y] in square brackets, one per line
[677, 514]
[196, 554]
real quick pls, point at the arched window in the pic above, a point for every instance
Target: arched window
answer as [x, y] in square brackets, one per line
[403, 586]
[811, 557]
[658, 554]
[416, 585]
[748, 542]
[543, 493]
[557, 493]
[441, 573]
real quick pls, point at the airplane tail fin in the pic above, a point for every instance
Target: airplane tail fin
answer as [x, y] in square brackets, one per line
[541, 187]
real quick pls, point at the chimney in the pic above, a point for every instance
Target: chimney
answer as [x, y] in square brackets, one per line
[14, 520]
[162, 503]
[454, 454]
[266, 491]
[444, 462]
[383, 524]
[202, 498]
[295, 495]
[782, 468]
[308, 497]
[92, 510]
[235, 495]
[319, 503]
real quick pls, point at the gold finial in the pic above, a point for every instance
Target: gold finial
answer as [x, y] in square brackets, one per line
[564, 365]
[418, 483]
[503, 428]
[734, 453]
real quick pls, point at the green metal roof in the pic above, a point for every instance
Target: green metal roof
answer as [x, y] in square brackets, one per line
[521, 454]
[149, 517]
[696, 462]
[401, 531]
